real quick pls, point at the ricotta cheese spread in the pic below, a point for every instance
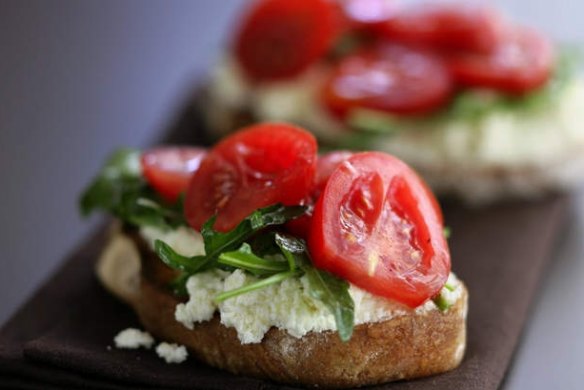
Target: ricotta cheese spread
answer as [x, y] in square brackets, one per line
[286, 305]
[132, 338]
[172, 353]
[502, 152]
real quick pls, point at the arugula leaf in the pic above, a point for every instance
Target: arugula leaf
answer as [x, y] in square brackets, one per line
[121, 190]
[121, 172]
[245, 259]
[330, 290]
[217, 243]
[472, 105]
[176, 261]
[447, 232]
[179, 285]
[345, 45]
[441, 302]
[264, 245]
[334, 293]
[372, 121]
[277, 278]
[282, 257]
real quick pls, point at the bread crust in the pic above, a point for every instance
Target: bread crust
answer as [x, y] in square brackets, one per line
[407, 346]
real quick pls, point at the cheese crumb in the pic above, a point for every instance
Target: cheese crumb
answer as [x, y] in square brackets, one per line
[172, 353]
[132, 338]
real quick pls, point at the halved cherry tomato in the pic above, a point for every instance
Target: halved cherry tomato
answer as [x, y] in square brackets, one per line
[281, 38]
[169, 169]
[523, 61]
[446, 26]
[375, 226]
[258, 166]
[391, 78]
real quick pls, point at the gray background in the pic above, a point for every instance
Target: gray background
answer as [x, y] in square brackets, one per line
[79, 78]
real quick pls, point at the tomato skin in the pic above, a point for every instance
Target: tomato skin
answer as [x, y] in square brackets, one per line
[169, 169]
[280, 39]
[522, 62]
[391, 78]
[375, 226]
[325, 166]
[445, 26]
[255, 167]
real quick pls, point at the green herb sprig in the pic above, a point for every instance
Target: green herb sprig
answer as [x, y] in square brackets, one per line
[270, 256]
[440, 300]
[121, 190]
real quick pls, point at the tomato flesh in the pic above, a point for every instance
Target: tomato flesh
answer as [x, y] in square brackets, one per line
[256, 167]
[522, 62]
[169, 169]
[445, 26]
[391, 78]
[376, 226]
[281, 38]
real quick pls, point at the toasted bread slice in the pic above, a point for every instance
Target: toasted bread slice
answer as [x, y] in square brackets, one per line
[406, 346]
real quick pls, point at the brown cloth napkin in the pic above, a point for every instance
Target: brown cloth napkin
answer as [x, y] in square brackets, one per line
[60, 338]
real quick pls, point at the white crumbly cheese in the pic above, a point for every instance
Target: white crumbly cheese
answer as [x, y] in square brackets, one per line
[505, 152]
[452, 293]
[286, 305]
[132, 338]
[172, 353]
[185, 241]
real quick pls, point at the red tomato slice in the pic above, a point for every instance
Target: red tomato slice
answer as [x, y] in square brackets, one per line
[523, 61]
[281, 38]
[169, 169]
[375, 226]
[390, 78]
[256, 167]
[447, 26]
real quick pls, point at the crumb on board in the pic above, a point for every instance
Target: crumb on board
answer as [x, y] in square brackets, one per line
[172, 353]
[132, 338]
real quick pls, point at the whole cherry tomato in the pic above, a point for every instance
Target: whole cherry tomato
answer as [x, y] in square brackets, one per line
[281, 38]
[256, 167]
